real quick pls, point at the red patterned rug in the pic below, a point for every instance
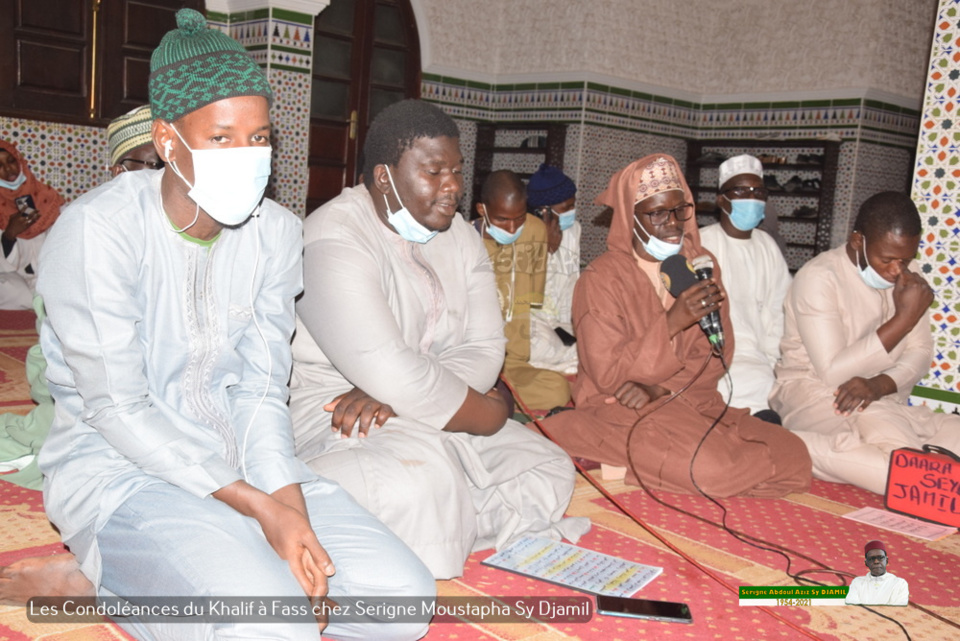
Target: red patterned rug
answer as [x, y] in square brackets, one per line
[809, 524]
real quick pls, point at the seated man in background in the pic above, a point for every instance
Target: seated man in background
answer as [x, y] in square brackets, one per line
[169, 468]
[517, 246]
[28, 208]
[398, 346]
[756, 278]
[552, 196]
[131, 142]
[856, 340]
[646, 392]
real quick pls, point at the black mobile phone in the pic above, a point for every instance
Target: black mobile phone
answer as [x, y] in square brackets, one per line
[566, 337]
[644, 609]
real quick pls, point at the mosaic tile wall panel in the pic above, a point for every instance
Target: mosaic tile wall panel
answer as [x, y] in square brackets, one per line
[935, 182]
[70, 158]
[468, 147]
[843, 195]
[282, 42]
[291, 120]
[604, 152]
[879, 168]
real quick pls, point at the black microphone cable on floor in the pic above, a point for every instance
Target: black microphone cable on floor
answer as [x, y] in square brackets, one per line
[653, 532]
[799, 577]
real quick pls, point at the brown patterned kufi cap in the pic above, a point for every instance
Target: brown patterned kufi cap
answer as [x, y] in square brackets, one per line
[658, 176]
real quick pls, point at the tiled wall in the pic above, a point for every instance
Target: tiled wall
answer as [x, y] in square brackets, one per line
[935, 181]
[282, 42]
[70, 158]
[610, 126]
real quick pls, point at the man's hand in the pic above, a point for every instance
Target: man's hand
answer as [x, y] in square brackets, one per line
[554, 235]
[858, 393]
[290, 535]
[283, 518]
[357, 404]
[635, 395]
[19, 223]
[912, 297]
[693, 304]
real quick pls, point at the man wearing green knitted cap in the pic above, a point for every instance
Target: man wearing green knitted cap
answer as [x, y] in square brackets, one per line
[169, 467]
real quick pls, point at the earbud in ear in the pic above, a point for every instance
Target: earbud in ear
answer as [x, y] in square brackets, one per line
[167, 146]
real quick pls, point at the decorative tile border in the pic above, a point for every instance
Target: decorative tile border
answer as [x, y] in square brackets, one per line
[935, 181]
[611, 106]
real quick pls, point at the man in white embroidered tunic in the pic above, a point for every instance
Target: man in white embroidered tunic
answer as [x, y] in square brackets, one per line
[170, 469]
[399, 327]
[878, 587]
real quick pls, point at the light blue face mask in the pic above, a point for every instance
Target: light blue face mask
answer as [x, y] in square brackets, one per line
[566, 219]
[746, 213]
[14, 184]
[659, 249]
[403, 221]
[869, 274]
[502, 236]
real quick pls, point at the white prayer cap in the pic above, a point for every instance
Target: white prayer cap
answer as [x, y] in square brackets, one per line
[744, 164]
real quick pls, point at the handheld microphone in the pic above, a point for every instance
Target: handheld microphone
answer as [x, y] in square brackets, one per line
[678, 276]
[703, 268]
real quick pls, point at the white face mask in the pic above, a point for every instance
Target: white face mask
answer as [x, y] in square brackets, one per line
[228, 184]
[869, 274]
[659, 249]
[14, 184]
[403, 221]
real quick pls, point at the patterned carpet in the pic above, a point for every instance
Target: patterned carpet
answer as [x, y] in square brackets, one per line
[810, 524]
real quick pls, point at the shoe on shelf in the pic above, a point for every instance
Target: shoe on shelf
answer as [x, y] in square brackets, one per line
[811, 185]
[711, 156]
[770, 182]
[804, 211]
[793, 184]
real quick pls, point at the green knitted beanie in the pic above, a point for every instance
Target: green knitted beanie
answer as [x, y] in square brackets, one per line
[194, 66]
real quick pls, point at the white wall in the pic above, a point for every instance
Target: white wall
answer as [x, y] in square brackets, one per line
[708, 47]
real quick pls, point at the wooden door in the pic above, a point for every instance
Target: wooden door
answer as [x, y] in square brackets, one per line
[366, 56]
[131, 30]
[84, 61]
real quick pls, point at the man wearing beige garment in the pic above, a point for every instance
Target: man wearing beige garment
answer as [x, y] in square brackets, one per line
[399, 342]
[856, 340]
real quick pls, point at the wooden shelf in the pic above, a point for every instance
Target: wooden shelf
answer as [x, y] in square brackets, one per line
[554, 132]
[821, 198]
[712, 164]
[513, 150]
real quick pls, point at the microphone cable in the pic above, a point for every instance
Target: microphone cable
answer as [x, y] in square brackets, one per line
[799, 577]
[649, 528]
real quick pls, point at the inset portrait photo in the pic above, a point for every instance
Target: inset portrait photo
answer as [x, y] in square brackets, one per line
[877, 587]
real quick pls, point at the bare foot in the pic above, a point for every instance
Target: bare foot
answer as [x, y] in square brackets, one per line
[57, 575]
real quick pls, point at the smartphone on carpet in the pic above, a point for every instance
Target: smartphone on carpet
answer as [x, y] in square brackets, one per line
[644, 609]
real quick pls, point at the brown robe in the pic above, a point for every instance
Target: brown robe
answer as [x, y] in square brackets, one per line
[622, 335]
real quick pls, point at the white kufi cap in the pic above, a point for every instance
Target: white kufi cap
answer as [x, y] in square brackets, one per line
[743, 164]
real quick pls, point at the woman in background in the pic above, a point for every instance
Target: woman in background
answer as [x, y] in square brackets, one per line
[28, 208]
